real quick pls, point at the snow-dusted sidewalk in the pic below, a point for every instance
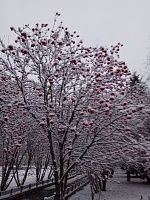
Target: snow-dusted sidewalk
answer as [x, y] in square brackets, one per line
[119, 189]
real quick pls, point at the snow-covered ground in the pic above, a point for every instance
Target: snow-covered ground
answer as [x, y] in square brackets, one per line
[119, 189]
[31, 178]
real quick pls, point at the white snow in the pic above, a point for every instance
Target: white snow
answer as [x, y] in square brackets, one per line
[31, 178]
[118, 189]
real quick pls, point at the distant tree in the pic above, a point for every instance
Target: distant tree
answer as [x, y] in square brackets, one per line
[147, 69]
[139, 126]
[135, 79]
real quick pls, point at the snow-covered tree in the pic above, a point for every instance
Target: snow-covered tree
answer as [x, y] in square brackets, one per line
[75, 94]
[139, 146]
[19, 136]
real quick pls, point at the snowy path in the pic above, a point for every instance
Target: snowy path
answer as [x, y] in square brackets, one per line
[119, 189]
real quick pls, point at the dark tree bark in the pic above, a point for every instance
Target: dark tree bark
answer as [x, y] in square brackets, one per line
[128, 175]
[104, 180]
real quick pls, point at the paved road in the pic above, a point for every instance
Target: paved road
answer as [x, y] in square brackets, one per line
[119, 189]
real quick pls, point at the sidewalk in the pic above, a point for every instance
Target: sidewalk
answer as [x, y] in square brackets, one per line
[119, 189]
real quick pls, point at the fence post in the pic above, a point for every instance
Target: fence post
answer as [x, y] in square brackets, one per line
[21, 188]
[68, 190]
[30, 186]
[11, 191]
[75, 185]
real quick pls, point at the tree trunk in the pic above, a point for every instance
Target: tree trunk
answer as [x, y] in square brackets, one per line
[128, 175]
[104, 180]
[55, 170]
[57, 195]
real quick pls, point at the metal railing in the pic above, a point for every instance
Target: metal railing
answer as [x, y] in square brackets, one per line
[72, 188]
[25, 188]
[76, 185]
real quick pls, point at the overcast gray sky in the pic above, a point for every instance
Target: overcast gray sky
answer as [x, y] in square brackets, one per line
[98, 22]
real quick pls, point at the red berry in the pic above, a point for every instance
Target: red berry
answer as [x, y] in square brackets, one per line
[10, 47]
[59, 58]
[32, 45]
